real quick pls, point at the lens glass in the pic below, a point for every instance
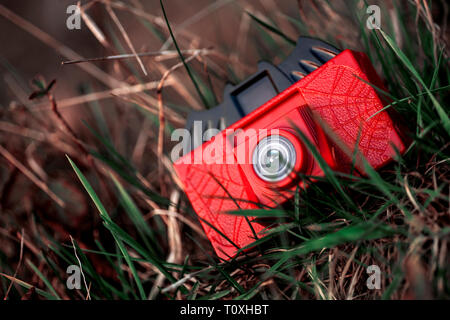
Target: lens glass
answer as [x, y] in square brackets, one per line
[274, 158]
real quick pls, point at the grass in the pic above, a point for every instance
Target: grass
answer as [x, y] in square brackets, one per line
[135, 234]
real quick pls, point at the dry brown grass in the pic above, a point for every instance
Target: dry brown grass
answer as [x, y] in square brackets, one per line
[135, 103]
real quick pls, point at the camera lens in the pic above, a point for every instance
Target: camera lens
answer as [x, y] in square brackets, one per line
[274, 158]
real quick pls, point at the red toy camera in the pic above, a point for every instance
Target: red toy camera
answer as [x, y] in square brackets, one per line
[256, 159]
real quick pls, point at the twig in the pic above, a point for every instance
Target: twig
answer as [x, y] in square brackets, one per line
[65, 125]
[98, 34]
[71, 133]
[96, 96]
[17, 268]
[161, 112]
[175, 246]
[195, 18]
[125, 36]
[180, 282]
[88, 293]
[165, 53]
[172, 116]
[156, 20]
[180, 217]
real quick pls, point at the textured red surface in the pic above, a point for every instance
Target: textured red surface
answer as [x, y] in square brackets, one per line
[334, 92]
[209, 188]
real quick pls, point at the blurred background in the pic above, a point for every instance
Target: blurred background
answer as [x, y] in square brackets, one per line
[101, 115]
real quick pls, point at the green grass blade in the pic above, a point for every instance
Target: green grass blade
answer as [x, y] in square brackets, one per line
[188, 69]
[272, 29]
[404, 59]
[44, 280]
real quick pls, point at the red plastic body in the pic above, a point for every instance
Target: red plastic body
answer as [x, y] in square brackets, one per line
[338, 94]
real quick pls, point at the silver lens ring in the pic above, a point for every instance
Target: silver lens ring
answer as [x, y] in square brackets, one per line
[274, 158]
